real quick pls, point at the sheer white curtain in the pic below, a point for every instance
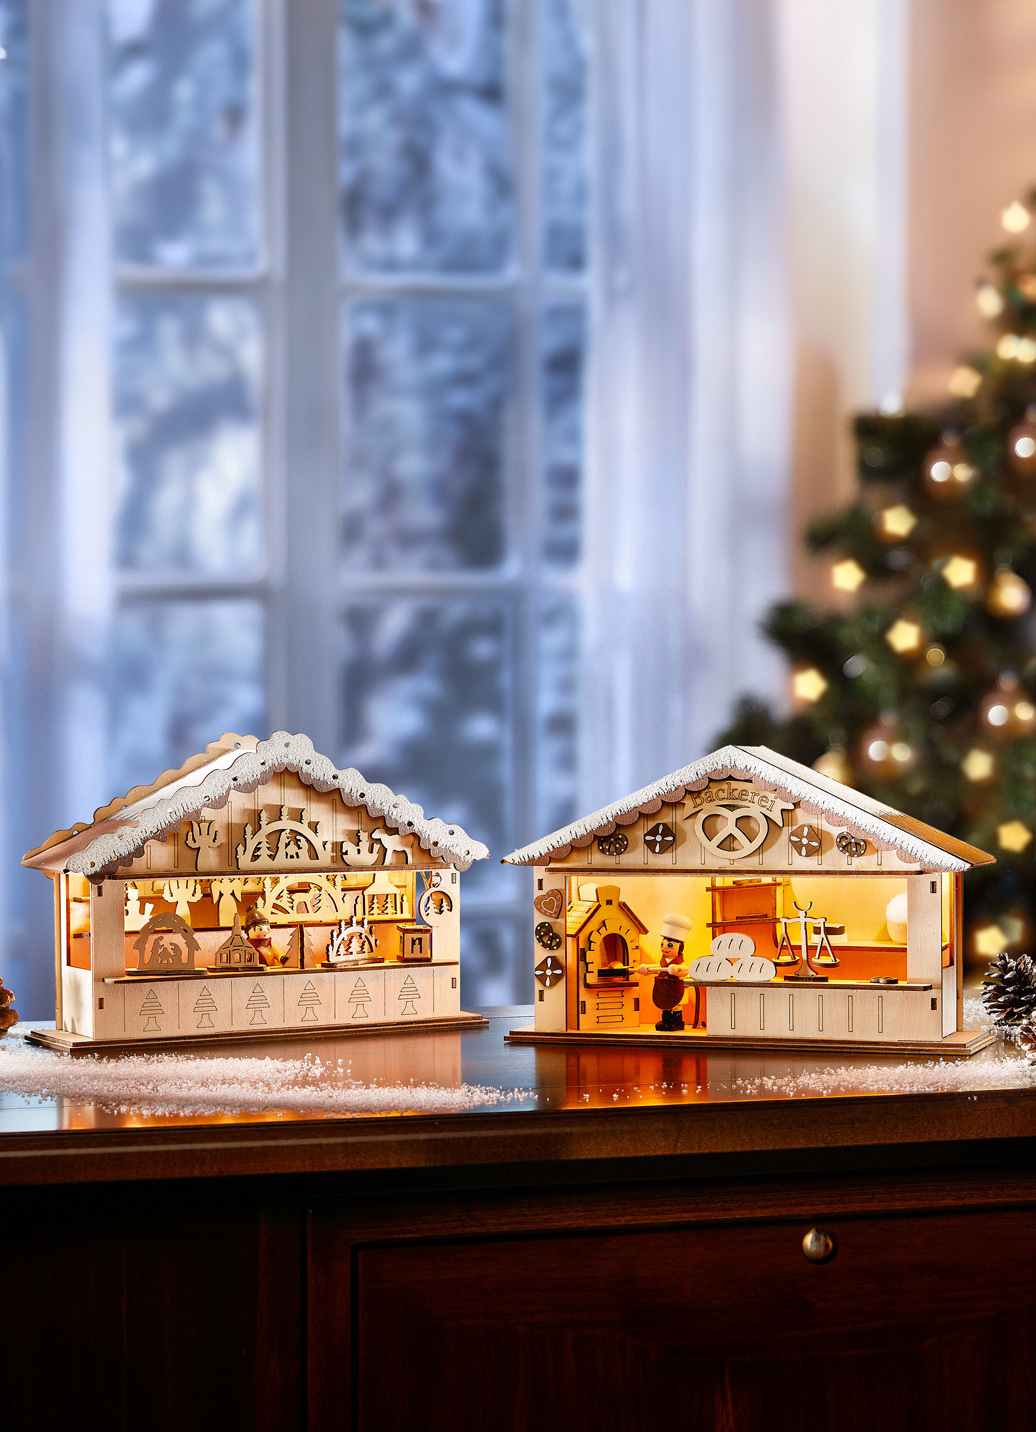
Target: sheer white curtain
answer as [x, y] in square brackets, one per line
[689, 396]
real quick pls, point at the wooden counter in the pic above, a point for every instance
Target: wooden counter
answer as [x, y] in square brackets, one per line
[620, 1246]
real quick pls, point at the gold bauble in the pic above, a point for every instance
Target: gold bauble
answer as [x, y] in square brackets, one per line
[883, 749]
[1021, 446]
[1009, 595]
[1009, 710]
[947, 471]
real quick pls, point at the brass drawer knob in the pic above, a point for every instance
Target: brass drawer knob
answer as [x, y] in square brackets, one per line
[818, 1246]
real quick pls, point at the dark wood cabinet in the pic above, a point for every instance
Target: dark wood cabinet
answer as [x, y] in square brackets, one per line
[683, 1322]
[582, 1263]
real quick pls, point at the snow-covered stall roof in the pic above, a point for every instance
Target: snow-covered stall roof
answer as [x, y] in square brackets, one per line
[841, 804]
[120, 830]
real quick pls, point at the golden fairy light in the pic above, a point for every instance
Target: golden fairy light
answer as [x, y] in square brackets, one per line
[978, 765]
[1015, 218]
[896, 521]
[960, 572]
[1009, 595]
[808, 685]
[1007, 347]
[905, 636]
[965, 381]
[935, 655]
[989, 940]
[835, 765]
[1013, 835]
[847, 575]
[989, 300]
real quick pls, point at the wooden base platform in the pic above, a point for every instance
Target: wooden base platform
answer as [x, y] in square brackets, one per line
[61, 1041]
[961, 1045]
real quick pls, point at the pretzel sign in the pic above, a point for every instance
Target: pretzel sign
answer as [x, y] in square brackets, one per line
[730, 829]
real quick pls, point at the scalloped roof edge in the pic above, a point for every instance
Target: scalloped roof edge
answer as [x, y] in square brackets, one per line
[920, 842]
[121, 829]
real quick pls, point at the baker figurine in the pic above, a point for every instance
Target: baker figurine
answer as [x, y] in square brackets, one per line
[669, 988]
[257, 933]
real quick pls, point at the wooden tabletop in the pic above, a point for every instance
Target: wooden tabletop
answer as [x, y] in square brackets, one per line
[578, 1108]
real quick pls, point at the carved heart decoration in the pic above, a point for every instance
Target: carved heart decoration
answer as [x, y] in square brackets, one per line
[549, 903]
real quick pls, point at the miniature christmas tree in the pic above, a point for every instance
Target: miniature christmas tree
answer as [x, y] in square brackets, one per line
[360, 998]
[920, 689]
[1009, 989]
[150, 1009]
[308, 1002]
[409, 993]
[205, 1006]
[257, 1002]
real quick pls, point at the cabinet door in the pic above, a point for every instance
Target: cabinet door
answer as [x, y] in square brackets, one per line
[917, 1322]
[151, 1306]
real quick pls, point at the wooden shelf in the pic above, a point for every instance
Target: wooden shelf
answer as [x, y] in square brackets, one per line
[743, 920]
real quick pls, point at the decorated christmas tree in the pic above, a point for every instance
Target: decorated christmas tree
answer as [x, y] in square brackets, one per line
[919, 685]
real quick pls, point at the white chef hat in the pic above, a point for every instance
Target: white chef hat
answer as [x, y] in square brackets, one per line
[676, 927]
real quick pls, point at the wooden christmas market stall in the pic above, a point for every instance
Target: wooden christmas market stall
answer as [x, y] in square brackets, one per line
[750, 902]
[256, 891]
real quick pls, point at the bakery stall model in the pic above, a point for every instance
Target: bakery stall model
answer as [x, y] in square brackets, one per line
[257, 891]
[748, 901]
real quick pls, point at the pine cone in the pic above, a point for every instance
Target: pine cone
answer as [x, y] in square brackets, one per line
[1027, 1040]
[8, 1014]
[1009, 990]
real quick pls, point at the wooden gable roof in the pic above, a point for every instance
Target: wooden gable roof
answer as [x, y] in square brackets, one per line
[120, 830]
[915, 840]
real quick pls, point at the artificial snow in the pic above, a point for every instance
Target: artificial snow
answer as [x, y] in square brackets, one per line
[180, 1084]
[746, 762]
[209, 788]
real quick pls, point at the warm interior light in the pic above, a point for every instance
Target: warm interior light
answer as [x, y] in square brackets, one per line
[1013, 835]
[809, 684]
[1026, 350]
[1007, 347]
[904, 636]
[847, 575]
[978, 765]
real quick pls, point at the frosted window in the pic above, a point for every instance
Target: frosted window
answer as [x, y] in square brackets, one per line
[562, 360]
[424, 141]
[557, 714]
[427, 390]
[182, 674]
[492, 966]
[187, 419]
[183, 132]
[427, 708]
[563, 58]
[14, 129]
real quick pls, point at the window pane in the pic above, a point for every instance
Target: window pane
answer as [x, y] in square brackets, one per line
[424, 148]
[562, 359]
[564, 37]
[187, 411]
[428, 383]
[184, 142]
[557, 715]
[14, 129]
[14, 404]
[491, 972]
[182, 674]
[426, 701]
